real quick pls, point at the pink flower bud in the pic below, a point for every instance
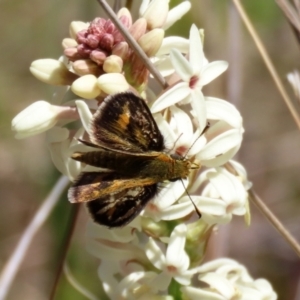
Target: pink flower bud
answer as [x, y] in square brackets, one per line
[98, 57]
[85, 67]
[107, 42]
[138, 28]
[121, 50]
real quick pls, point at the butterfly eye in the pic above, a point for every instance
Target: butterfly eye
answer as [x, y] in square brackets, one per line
[177, 156]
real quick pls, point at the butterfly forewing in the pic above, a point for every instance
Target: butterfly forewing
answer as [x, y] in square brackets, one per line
[92, 185]
[126, 123]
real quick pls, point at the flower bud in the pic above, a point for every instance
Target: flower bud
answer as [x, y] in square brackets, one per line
[77, 26]
[69, 43]
[124, 16]
[138, 28]
[121, 50]
[85, 67]
[86, 87]
[98, 57]
[72, 53]
[36, 118]
[112, 83]
[107, 42]
[156, 13]
[151, 41]
[113, 64]
[52, 71]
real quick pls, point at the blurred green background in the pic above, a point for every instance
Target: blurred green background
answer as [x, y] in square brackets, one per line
[34, 29]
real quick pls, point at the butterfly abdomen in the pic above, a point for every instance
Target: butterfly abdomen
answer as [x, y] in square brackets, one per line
[110, 160]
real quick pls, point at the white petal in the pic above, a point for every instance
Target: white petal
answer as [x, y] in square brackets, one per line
[171, 42]
[198, 143]
[196, 293]
[294, 80]
[161, 282]
[206, 205]
[175, 255]
[181, 65]
[219, 283]
[215, 264]
[166, 130]
[184, 278]
[222, 159]
[164, 66]
[136, 283]
[220, 144]
[196, 54]
[122, 235]
[169, 194]
[172, 96]
[199, 107]
[58, 144]
[154, 254]
[114, 251]
[242, 173]
[143, 6]
[183, 127]
[218, 109]
[106, 272]
[224, 184]
[176, 211]
[212, 71]
[229, 187]
[176, 13]
[56, 135]
[85, 114]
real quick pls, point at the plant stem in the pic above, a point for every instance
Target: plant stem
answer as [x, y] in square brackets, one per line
[13, 264]
[274, 221]
[268, 62]
[66, 243]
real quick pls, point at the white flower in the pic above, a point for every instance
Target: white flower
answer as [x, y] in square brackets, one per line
[223, 190]
[136, 285]
[174, 263]
[227, 280]
[215, 147]
[194, 73]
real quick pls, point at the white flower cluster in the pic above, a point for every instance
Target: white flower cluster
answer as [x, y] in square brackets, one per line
[163, 247]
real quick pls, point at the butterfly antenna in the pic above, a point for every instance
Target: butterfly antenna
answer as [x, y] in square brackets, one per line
[203, 131]
[196, 208]
[175, 143]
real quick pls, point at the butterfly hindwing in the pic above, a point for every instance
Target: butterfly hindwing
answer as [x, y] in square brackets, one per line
[120, 208]
[124, 122]
[112, 200]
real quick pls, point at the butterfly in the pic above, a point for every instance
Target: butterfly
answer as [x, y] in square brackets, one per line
[130, 147]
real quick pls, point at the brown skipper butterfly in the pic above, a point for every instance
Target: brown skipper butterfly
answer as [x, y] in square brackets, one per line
[130, 146]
